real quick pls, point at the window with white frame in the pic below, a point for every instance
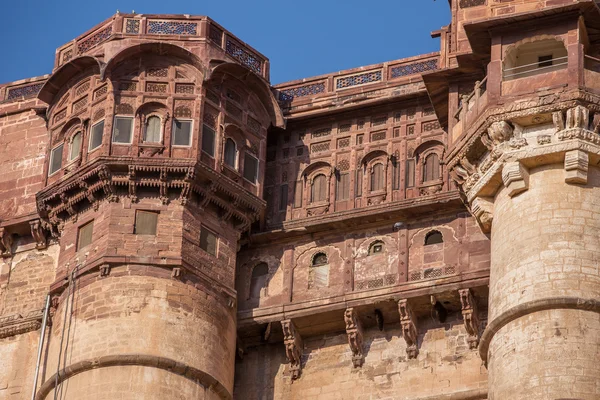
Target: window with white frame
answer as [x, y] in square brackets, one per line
[96, 135]
[123, 130]
[182, 132]
[152, 131]
[56, 156]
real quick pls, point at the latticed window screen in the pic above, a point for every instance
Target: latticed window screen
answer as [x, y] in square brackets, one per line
[145, 222]
[359, 182]
[208, 241]
[283, 197]
[250, 168]
[431, 169]
[318, 274]
[230, 152]
[96, 135]
[258, 280]
[56, 159]
[182, 133]
[152, 131]
[410, 173]
[298, 194]
[208, 140]
[319, 189]
[123, 129]
[343, 187]
[84, 235]
[75, 146]
[377, 178]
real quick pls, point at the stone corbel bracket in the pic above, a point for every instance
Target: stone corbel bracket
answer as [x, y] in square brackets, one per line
[576, 166]
[470, 316]
[6, 242]
[515, 177]
[409, 328]
[39, 234]
[355, 336]
[293, 347]
[483, 209]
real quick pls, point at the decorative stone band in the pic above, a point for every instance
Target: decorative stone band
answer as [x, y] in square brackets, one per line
[530, 307]
[13, 325]
[141, 360]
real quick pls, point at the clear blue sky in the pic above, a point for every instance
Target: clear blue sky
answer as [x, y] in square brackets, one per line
[301, 38]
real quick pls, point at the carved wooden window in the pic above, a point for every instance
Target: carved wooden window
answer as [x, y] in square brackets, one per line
[208, 241]
[208, 140]
[75, 149]
[230, 153]
[258, 280]
[145, 222]
[431, 168]
[377, 177]
[122, 132]
[56, 156]
[376, 248]
[434, 237]
[250, 168]
[152, 131]
[318, 274]
[318, 189]
[410, 173]
[343, 187]
[283, 197]
[359, 182]
[298, 194]
[84, 235]
[182, 133]
[96, 135]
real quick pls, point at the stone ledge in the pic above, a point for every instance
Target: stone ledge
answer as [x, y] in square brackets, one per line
[16, 324]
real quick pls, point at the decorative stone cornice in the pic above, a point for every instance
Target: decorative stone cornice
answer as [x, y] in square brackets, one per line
[17, 324]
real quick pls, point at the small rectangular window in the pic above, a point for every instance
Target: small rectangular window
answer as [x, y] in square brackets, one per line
[182, 133]
[250, 168]
[283, 197]
[298, 194]
[208, 241]
[208, 140]
[75, 146]
[410, 173]
[96, 135]
[123, 129]
[545, 61]
[343, 187]
[84, 235]
[359, 182]
[56, 159]
[145, 222]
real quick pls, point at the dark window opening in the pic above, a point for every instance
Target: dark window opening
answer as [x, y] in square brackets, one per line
[258, 280]
[208, 241]
[545, 61]
[208, 140]
[434, 237]
[84, 235]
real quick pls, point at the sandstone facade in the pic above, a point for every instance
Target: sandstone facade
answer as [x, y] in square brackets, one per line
[424, 228]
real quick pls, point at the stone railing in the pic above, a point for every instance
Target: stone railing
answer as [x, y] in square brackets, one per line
[357, 78]
[472, 105]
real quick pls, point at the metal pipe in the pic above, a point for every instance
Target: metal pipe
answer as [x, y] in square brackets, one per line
[40, 346]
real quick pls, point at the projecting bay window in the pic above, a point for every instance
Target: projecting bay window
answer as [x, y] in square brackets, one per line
[208, 140]
[123, 130]
[56, 156]
[96, 135]
[182, 133]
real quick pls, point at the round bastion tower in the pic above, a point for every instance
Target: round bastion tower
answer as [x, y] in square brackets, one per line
[154, 172]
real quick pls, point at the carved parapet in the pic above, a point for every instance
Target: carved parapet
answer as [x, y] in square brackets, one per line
[293, 347]
[409, 328]
[576, 166]
[355, 336]
[470, 316]
[482, 209]
[515, 177]
[6, 242]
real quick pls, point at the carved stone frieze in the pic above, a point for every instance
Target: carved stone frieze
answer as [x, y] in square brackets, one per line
[576, 166]
[577, 117]
[355, 336]
[515, 177]
[293, 347]
[470, 316]
[409, 328]
[17, 324]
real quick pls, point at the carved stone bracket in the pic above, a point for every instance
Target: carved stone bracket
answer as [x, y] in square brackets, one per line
[576, 166]
[6, 242]
[409, 328]
[515, 177]
[39, 234]
[578, 117]
[293, 347]
[470, 316]
[355, 336]
[104, 269]
[482, 209]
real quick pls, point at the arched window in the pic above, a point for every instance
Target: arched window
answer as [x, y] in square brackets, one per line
[319, 189]
[152, 132]
[376, 247]
[377, 177]
[318, 275]
[75, 146]
[431, 168]
[259, 279]
[434, 237]
[230, 153]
